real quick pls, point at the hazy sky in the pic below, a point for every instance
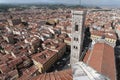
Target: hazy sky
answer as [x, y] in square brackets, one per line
[96, 2]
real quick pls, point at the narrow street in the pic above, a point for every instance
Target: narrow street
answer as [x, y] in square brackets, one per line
[61, 64]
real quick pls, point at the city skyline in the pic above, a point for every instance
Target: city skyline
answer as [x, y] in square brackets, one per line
[41, 41]
[84, 2]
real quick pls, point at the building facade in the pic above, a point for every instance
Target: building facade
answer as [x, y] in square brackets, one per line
[44, 60]
[78, 18]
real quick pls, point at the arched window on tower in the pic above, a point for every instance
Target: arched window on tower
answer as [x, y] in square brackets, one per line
[76, 27]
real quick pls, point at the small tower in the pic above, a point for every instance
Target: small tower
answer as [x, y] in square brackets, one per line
[78, 18]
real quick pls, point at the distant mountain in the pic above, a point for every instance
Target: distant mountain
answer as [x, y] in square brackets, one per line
[5, 7]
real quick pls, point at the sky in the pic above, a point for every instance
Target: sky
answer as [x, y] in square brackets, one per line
[87, 2]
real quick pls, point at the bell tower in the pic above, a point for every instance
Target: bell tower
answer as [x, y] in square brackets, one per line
[78, 18]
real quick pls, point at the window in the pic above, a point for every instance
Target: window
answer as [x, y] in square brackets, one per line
[75, 39]
[76, 27]
[75, 47]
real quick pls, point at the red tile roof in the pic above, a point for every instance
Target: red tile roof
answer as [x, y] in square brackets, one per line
[105, 33]
[54, 46]
[44, 56]
[60, 75]
[102, 59]
[4, 68]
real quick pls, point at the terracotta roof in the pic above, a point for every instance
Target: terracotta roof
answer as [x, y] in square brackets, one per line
[102, 59]
[4, 68]
[8, 62]
[60, 75]
[50, 44]
[14, 62]
[105, 33]
[28, 73]
[44, 56]
[98, 33]
[13, 73]
[30, 70]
